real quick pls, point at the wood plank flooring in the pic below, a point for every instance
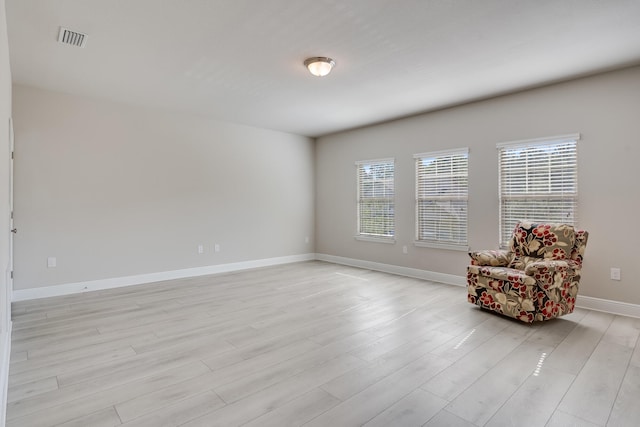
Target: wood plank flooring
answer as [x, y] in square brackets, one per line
[313, 344]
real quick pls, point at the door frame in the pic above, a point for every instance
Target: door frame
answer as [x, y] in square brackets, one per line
[11, 227]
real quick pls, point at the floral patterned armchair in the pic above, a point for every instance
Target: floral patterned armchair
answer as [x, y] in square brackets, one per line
[536, 279]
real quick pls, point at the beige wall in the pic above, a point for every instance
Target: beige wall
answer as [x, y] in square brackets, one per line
[604, 109]
[112, 190]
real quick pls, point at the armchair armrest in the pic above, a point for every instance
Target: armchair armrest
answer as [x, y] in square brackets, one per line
[550, 274]
[493, 258]
[547, 266]
[574, 265]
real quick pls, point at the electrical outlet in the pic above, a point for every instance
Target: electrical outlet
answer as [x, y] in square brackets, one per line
[216, 247]
[405, 250]
[306, 239]
[615, 273]
[52, 262]
[200, 249]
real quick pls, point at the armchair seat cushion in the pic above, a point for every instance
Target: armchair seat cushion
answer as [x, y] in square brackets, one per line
[503, 273]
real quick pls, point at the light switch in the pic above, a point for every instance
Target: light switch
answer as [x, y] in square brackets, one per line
[615, 274]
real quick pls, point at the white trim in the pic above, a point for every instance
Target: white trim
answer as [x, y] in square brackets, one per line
[5, 340]
[118, 282]
[433, 276]
[375, 239]
[608, 306]
[437, 245]
[368, 162]
[572, 137]
[430, 154]
[589, 303]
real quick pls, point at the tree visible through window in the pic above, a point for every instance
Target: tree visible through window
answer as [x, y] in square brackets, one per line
[538, 182]
[376, 216]
[441, 197]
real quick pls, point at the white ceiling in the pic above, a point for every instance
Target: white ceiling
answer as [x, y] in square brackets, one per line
[241, 60]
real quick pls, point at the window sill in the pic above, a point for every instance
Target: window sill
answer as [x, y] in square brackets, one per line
[447, 246]
[381, 239]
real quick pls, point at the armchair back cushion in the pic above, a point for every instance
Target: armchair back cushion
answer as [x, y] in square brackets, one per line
[532, 242]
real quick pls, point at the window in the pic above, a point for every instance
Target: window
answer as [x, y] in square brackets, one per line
[538, 182]
[442, 191]
[376, 217]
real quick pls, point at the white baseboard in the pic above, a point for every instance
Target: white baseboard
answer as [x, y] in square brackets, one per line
[5, 341]
[118, 282]
[590, 303]
[608, 306]
[449, 279]
[598, 304]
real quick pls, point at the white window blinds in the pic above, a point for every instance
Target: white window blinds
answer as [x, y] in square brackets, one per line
[441, 197]
[538, 182]
[376, 216]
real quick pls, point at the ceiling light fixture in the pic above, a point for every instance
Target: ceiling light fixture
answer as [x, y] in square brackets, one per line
[319, 65]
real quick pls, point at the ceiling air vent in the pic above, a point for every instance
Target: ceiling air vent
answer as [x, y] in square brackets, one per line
[73, 38]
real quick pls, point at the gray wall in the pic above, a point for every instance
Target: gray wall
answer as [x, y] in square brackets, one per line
[604, 109]
[5, 113]
[5, 267]
[112, 190]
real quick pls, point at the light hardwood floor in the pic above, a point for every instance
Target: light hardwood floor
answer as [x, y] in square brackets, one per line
[313, 344]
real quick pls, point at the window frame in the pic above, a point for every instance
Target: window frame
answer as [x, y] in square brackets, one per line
[373, 237]
[568, 143]
[459, 245]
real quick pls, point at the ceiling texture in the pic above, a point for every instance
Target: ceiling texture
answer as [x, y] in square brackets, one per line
[241, 61]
